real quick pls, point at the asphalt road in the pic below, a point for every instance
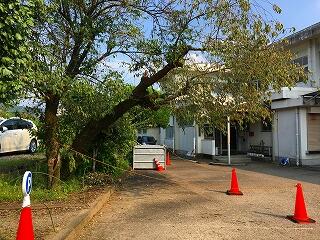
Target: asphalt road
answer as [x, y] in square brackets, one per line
[188, 201]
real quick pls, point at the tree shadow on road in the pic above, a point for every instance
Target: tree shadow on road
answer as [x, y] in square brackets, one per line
[271, 214]
[303, 174]
[139, 182]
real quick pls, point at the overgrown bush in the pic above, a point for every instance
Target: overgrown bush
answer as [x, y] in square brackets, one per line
[80, 106]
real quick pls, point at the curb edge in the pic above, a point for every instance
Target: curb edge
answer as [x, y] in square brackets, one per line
[76, 223]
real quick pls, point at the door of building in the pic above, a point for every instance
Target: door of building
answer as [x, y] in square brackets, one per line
[313, 132]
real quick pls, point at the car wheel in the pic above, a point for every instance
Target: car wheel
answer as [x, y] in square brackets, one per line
[33, 146]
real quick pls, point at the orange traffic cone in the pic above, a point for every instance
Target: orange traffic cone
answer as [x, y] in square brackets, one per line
[25, 229]
[234, 190]
[160, 168]
[300, 212]
[168, 161]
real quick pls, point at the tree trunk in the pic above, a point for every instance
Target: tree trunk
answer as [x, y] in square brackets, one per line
[52, 140]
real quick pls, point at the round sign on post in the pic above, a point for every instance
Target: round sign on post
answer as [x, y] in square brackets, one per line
[26, 188]
[27, 183]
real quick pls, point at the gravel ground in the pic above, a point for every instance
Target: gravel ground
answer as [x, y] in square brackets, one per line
[188, 201]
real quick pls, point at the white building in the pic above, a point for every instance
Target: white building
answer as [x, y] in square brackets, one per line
[190, 140]
[295, 129]
[296, 122]
[295, 132]
[194, 140]
[154, 132]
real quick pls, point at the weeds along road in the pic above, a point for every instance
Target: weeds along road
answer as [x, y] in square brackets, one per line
[189, 202]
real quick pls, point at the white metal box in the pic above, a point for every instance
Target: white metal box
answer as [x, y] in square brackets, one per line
[144, 155]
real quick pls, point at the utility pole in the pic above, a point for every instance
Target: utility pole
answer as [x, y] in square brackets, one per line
[229, 157]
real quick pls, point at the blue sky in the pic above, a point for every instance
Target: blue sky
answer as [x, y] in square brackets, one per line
[295, 13]
[298, 13]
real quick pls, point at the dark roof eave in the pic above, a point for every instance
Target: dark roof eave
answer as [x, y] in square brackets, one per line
[304, 34]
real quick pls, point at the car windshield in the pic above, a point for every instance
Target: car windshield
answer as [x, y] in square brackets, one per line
[2, 120]
[150, 139]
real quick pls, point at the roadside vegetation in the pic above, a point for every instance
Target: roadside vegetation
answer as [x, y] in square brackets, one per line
[110, 160]
[12, 168]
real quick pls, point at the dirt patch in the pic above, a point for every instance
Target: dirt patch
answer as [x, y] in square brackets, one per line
[47, 217]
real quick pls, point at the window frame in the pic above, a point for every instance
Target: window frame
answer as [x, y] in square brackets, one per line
[208, 132]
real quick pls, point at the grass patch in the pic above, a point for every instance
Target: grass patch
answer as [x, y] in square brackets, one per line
[10, 189]
[12, 169]
[21, 163]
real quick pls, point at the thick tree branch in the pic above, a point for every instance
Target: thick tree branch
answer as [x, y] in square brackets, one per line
[139, 96]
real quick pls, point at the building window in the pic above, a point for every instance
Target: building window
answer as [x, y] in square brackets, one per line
[169, 133]
[266, 126]
[302, 62]
[142, 131]
[208, 131]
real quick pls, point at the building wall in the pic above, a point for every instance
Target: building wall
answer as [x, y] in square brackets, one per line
[314, 63]
[284, 136]
[189, 139]
[255, 136]
[309, 48]
[259, 137]
[303, 132]
[306, 157]
[285, 132]
[291, 113]
[162, 136]
[243, 141]
[155, 132]
[186, 139]
[183, 138]
[164, 140]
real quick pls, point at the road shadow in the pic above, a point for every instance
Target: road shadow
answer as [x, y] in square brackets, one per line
[139, 182]
[271, 215]
[294, 173]
[217, 191]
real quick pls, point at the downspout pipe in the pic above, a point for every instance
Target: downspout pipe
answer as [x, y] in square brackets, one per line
[194, 139]
[229, 150]
[173, 134]
[297, 136]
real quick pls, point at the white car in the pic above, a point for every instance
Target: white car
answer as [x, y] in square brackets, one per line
[15, 135]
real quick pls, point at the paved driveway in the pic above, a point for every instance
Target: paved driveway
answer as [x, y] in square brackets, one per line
[188, 201]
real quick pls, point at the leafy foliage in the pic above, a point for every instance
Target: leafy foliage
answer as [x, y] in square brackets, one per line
[116, 151]
[244, 62]
[145, 118]
[87, 102]
[16, 20]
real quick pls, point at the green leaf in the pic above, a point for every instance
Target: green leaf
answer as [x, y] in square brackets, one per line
[276, 8]
[18, 36]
